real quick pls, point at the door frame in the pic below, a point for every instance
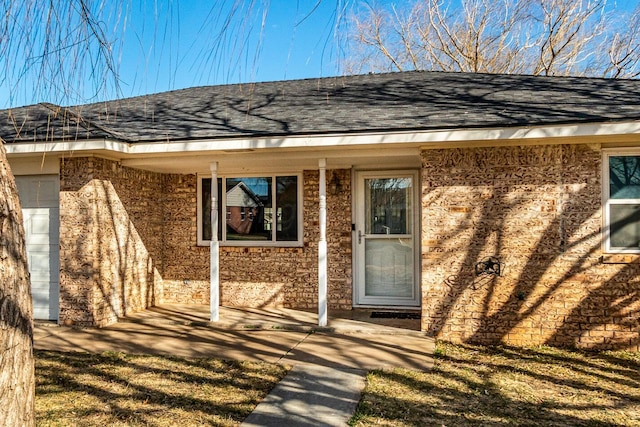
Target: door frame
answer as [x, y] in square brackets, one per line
[360, 300]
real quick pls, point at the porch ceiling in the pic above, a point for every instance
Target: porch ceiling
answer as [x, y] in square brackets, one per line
[261, 161]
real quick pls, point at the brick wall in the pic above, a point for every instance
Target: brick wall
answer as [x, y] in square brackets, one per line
[537, 210]
[185, 277]
[128, 241]
[110, 239]
[260, 276]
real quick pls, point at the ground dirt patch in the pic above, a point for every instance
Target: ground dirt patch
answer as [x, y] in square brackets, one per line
[473, 386]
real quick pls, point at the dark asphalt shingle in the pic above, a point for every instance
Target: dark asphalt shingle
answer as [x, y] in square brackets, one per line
[372, 102]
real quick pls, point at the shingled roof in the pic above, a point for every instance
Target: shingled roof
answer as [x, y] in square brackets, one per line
[364, 103]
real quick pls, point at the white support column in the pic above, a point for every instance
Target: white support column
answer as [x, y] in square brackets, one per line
[322, 246]
[214, 302]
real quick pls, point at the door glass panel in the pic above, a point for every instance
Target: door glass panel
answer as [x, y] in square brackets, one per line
[389, 267]
[388, 205]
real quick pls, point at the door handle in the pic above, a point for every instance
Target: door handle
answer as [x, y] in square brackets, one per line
[359, 236]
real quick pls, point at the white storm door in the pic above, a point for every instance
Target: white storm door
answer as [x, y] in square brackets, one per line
[386, 239]
[40, 209]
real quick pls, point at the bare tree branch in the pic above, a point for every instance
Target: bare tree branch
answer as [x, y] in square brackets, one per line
[550, 37]
[60, 45]
[623, 50]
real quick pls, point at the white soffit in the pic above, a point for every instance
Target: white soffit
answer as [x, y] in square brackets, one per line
[35, 165]
[417, 138]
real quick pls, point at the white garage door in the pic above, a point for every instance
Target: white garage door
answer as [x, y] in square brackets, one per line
[40, 208]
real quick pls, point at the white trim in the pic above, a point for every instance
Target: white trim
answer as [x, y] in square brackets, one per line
[214, 295]
[330, 140]
[389, 307]
[322, 244]
[199, 240]
[604, 194]
[607, 201]
[41, 164]
[622, 151]
[359, 300]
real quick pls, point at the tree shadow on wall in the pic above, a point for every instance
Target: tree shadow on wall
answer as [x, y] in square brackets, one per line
[554, 288]
[116, 249]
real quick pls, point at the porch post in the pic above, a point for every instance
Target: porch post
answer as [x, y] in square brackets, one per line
[322, 246]
[214, 302]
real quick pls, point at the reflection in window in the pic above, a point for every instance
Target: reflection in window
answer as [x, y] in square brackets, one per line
[254, 207]
[287, 210]
[206, 208]
[388, 205]
[625, 226]
[246, 202]
[624, 203]
[624, 177]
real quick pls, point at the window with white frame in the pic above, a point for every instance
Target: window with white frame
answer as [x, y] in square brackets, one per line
[252, 210]
[622, 201]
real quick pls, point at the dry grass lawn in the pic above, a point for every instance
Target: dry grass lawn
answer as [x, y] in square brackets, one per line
[114, 389]
[479, 386]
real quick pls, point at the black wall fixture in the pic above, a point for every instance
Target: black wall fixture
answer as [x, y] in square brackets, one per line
[489, 265]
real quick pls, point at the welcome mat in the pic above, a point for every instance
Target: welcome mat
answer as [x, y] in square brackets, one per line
[394, 315]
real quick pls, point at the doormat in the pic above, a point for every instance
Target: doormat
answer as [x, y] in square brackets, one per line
[394, 315]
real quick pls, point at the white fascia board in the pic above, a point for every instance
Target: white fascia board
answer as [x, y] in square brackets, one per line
[521, 133]
[65, 147]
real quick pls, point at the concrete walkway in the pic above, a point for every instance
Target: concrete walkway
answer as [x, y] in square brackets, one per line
[310, 396]
[328, 365]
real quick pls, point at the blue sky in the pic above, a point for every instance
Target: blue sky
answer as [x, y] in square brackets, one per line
[172, 44]
[266, 42]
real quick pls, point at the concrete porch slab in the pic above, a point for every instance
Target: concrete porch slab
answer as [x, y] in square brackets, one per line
[273, 335]
[349, 351]
[241, 318]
